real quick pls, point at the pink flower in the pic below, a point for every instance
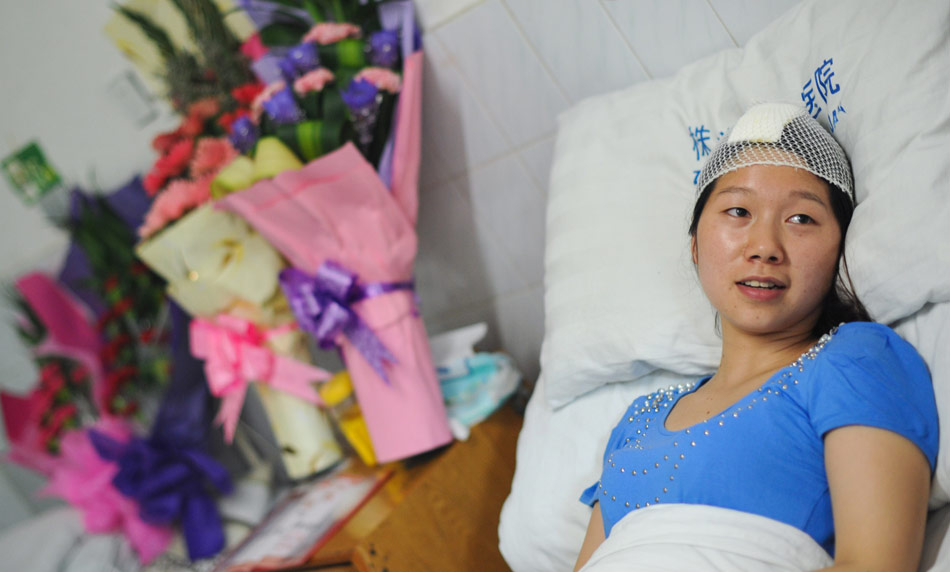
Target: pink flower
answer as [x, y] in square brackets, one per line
[211, 154]
[204, 109]
[313, 81]
[382, 78]
[180, 197]
[330, 32]
[257, 106]
[254, 48]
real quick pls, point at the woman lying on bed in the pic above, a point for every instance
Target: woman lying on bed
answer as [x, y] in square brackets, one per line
[817, 419]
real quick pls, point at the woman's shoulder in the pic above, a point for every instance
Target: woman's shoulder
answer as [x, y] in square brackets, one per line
[864, 350]
[868, 340]
[866, 374]
[864, 331]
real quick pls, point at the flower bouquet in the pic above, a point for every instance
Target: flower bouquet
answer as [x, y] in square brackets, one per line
[101, 424]
[346, 220]
[222, 272]
[333, 75]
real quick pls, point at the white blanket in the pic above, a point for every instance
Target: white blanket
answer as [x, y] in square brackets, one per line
[693, 538]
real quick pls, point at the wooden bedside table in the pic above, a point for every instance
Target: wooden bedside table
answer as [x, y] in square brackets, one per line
[438, 513]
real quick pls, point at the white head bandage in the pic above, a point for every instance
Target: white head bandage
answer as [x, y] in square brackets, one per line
[780, 134]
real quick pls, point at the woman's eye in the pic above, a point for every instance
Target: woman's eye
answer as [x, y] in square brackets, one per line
[737, 212]
[801, 219]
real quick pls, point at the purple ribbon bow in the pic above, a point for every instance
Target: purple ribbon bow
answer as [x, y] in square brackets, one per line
[322, 303]
[170, 484]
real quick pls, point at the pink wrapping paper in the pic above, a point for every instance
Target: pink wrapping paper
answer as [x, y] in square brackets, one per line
[26, 443]
[69, 329]
[337, 208]
[407, 149]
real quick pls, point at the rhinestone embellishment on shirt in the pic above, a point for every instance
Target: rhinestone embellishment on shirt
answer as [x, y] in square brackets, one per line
[657, 405]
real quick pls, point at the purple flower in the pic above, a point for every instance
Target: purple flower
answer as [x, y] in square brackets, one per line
[243, 134]
[288, 71]
[304, 57]
[359, 96]
[299, 60]
[282, 107]
[384, 48]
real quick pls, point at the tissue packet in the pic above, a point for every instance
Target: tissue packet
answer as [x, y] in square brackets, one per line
[474, 384]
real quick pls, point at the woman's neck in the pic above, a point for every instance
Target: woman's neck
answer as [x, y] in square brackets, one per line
[749, 359]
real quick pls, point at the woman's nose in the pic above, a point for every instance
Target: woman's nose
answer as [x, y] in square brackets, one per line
[764, 243]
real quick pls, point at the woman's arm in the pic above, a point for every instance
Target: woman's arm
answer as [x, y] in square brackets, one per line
[593, 539]
[880, 483]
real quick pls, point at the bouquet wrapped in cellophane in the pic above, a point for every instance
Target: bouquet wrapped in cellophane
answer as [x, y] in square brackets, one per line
[112, 423]
[222, 272]
[345, 221]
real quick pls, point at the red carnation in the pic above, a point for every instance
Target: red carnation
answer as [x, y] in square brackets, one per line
[164, 141]
[245, 94]
[78, 374]
[61, 415]
[176, 160]
[228, 118]
[154, 182]
[50, 371]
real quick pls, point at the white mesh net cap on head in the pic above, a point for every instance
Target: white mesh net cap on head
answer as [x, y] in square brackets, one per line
[780, 134]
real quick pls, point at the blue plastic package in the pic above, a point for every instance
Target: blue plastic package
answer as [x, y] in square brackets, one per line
[473, 384]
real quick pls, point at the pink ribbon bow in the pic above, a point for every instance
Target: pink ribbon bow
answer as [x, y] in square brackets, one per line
[235, 354]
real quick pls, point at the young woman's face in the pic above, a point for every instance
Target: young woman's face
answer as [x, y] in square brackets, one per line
[766, 248]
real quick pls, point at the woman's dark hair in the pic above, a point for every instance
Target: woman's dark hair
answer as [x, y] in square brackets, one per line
[841, 304]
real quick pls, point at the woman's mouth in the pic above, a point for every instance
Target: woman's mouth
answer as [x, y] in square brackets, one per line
[762, 285]
[761, 290]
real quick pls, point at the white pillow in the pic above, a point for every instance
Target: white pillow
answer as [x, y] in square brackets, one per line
[928, 330]
[621, 297]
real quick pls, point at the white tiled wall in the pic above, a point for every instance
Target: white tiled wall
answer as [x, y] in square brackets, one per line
[498, 73]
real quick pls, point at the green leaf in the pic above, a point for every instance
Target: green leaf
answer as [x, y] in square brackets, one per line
[151, 30]
[282, 34]
[311, 7]
[285, 16]
[291, 3]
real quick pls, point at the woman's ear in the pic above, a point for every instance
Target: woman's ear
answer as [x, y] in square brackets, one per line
[692, 249]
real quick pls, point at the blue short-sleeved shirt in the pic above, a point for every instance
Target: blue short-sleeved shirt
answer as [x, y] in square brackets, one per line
[765, 453]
